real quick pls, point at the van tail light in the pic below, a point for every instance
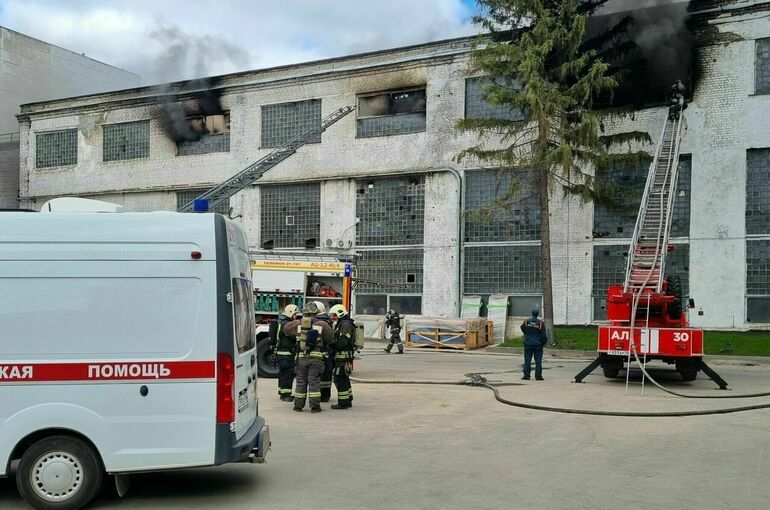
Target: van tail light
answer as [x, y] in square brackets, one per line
[225, 379]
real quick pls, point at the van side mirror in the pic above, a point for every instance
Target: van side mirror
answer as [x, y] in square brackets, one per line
[691, 303]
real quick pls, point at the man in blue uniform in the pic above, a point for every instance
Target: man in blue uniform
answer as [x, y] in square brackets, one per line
[535, 339]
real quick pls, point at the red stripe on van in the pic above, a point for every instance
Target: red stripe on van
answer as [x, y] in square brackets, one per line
[113, 371]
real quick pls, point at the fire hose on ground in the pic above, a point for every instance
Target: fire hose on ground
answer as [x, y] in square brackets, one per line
[477, 380]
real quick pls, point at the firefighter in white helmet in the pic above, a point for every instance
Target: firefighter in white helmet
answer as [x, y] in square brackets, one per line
[285, 349]
[313, 336]
[343, 349]
[326, 375]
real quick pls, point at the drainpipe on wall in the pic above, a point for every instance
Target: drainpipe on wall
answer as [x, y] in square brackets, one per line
[460, 237]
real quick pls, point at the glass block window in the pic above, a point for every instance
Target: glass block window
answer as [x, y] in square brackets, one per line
[502, 270]
[625, 187]
[391, 113]
[758, 281]
[214, 131]
[501, 206]
[762, 66]
[185, 197]
[758, 192]
[391, 211]
[758, 268]
[609, 268]
[290, 214]
[476, 107]
[401, 267]
[56, 148]
[128, 140]
[283, 122]
[680, 222]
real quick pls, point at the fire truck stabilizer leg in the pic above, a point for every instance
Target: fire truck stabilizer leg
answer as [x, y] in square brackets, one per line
[713, 375]
[590, 368]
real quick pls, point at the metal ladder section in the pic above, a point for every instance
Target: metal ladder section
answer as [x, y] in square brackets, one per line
[251, 173]
[647, 254]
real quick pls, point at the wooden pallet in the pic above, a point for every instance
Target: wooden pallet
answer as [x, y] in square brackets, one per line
[440, 333]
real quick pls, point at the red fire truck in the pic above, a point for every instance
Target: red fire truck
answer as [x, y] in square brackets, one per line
[647, 315]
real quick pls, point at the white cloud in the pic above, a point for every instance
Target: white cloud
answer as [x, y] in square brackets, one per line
[164, 40]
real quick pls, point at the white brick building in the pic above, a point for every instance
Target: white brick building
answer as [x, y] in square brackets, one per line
[384, 182]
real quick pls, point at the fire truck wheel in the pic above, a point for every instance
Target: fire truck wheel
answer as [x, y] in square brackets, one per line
[59, 472]
[266, 367]
[688, 369]
[610, 372]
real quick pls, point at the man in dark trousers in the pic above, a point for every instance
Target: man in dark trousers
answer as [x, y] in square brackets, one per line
[285, 348]
[535, 339]
[342, 350]
[313, 337]
[393, 326]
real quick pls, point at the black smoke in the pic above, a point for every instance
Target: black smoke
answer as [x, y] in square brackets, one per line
[649, 46]
[192, 99]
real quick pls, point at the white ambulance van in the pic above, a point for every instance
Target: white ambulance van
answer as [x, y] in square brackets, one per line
[126, 345]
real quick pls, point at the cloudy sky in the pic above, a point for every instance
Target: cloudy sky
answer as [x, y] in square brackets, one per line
[166, 40]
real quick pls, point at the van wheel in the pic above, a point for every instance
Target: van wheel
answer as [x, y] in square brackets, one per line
[265, 365]
[59, 472]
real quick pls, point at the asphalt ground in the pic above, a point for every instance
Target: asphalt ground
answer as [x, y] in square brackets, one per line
[435, 446]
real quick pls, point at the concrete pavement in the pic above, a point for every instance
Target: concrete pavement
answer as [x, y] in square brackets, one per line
[420, 446]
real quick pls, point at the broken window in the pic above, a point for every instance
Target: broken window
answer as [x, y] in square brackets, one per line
[56, 148]
[290, 215]
[393, 280]
[391, 211]
[213, 132]
[501, 205]
[391, 113]
[624, 187]
[127, 140]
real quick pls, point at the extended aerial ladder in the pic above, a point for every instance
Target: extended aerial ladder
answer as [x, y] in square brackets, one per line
[646, 314]
[254, 171]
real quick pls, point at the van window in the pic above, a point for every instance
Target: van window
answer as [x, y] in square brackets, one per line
[245, 336]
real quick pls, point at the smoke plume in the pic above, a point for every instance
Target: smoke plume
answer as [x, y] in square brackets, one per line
[194, 98]
[661, 50]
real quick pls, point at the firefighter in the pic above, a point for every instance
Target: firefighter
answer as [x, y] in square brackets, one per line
[285, 349]
[343, 349]
[313, 335]
[326, 376]
[393, 324]
[677, 100]
[535, 339]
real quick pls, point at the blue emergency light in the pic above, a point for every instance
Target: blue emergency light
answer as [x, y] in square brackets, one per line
[347, 270]
[201, 205]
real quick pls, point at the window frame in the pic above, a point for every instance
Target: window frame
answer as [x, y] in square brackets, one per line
[52, 131]
[145, 122]
[227, 120]
[391, 93]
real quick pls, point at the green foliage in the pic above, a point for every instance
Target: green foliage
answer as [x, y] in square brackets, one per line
[735, 343]
[545, 68]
